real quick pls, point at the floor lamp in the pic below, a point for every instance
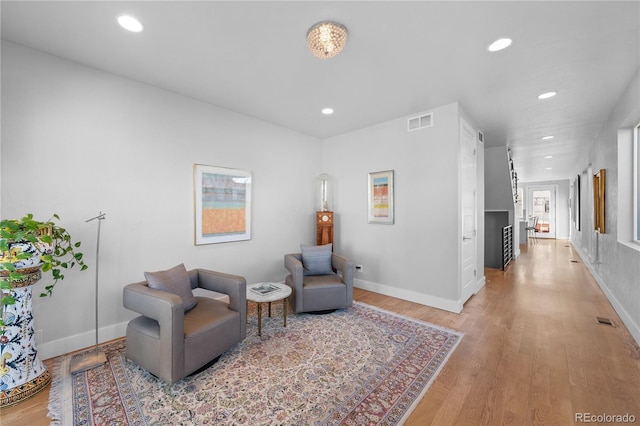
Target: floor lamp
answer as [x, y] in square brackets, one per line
[91, 360]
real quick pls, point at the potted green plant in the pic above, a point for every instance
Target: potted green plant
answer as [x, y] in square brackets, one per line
[28, 248]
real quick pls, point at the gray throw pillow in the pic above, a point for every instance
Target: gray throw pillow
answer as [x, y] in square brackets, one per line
[176, 281]
[316, 260]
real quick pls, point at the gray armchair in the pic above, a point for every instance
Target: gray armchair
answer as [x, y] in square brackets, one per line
[316, 293]
[171, 343]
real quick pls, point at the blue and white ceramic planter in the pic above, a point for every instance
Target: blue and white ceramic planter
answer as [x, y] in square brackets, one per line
[22, 373]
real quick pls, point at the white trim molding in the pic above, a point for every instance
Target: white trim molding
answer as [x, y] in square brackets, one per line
[454, 306]
[84, 340]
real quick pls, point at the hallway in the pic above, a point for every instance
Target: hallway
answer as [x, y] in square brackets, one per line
[533, 352]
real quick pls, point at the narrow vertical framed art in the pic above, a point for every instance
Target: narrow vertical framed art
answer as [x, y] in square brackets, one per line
[577, 202]
[599, 185]
[380, 208]
[222, 204]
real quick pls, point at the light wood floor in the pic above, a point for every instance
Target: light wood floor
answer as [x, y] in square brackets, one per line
[532, 353]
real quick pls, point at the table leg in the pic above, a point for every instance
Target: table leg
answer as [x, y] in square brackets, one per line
[284, 309]
[269, 309]
[259, 319]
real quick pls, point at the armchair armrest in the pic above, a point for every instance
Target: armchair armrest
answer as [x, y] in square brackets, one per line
[344, 265]
[164, 307]
[346, 268]
[155, 304]
[234, 286]
[293, 263]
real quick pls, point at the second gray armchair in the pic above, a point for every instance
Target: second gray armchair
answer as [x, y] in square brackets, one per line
[319, 292]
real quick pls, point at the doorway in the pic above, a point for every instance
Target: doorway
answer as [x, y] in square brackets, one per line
[541, 204]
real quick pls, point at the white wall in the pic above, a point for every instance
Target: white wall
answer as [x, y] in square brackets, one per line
[76, 141]
[499, 193]
[611, 258]
[415, 258]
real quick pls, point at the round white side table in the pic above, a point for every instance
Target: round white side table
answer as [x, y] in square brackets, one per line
[266, 293]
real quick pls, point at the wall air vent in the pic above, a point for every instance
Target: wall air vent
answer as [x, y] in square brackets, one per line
[480, 137]
[420, 122]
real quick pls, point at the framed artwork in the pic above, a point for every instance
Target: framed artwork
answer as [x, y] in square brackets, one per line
[380, 209]
[222, 204]
[577, 202]
[598, 201]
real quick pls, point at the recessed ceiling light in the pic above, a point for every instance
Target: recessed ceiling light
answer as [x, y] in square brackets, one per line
[327, 111]
[130, 23]
[546, 138]
[547, 95]
[549, 156]
[549, 168]
[501, 43]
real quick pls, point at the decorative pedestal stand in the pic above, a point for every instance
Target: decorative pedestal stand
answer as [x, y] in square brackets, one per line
[22, 374]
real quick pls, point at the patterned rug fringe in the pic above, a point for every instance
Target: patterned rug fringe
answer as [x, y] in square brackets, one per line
[62, 402]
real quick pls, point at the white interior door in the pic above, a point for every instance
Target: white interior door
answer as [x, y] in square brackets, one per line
[468, 252]
[541, 203]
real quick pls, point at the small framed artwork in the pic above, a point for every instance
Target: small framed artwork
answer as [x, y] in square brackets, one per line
[380, 209]
[222, 204]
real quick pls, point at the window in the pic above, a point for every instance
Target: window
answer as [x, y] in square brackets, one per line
[636, 183]
[628, 199]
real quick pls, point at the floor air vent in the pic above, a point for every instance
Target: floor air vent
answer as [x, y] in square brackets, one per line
[604, 321]
[574, 261]
[420, 122]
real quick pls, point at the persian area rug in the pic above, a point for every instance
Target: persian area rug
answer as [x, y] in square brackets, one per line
[359, 366]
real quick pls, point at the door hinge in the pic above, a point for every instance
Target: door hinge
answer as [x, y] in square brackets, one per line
[475, 272]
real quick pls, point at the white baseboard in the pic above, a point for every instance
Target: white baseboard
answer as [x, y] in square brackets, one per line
[628, 321]
[80, 341]
[412, 296]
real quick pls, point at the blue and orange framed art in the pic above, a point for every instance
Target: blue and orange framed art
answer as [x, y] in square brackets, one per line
[381, 209]
[222, 204]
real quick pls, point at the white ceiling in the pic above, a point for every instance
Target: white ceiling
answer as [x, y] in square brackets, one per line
[401, 58]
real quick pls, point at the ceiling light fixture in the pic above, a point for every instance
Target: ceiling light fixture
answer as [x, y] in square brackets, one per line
[501, 43]
[546, 138]
[547, 95]
[130, 23]
[548, 156]
[326, 39]
[327, 111]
